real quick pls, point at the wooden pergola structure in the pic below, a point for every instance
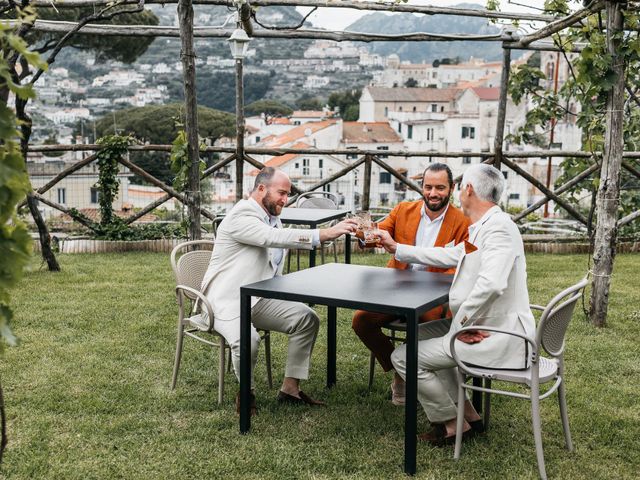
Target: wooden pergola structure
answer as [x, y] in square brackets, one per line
[607, 164]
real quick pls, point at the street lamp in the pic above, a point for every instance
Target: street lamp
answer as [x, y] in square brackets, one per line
[239, 43]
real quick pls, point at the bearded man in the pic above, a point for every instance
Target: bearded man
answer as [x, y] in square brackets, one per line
[430, 222]
[251, 246]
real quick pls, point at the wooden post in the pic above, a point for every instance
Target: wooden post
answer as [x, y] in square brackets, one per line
[239, 130]
[609, 189]
[188, 57]
[366, 189]
[502, 107]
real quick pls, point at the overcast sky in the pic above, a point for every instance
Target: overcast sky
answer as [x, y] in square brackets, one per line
[339, 18]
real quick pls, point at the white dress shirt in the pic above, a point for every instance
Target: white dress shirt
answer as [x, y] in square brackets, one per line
[277, 254]
[427, 232]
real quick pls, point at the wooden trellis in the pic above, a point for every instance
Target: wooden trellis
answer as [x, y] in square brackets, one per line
[611, 159]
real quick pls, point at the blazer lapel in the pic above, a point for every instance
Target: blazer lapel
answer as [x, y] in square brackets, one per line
[446, 230]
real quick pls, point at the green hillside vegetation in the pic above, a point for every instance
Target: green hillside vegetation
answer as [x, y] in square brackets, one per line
[418, 52]
[159, 124]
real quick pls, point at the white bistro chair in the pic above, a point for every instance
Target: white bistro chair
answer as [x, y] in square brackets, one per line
[189, 266]
[549, 338]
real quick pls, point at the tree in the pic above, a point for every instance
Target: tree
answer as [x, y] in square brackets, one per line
[411, 83]
[348, 103]
[15, 244]
[218, 90]
[269, 108]
[159, 124]
[308, 102]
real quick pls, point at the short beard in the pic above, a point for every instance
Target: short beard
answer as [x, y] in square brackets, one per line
[269, 205]
[439, 206]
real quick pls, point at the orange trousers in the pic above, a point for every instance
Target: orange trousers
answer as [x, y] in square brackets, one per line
[368, 327]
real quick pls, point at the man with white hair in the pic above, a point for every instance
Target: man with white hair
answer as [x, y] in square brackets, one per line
[489, 289]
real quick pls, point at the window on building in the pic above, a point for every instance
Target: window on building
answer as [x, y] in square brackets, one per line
[305, 166]
[466, 160]
[468, 132]
[296, 165]
[409, 131]
[399, 109]
[62, 196]
[399, 127]
[514, 196]
[415, 109]
[386, 111]
[442, 109]
[384, 199]
[385, 177]
[95, 195]
[434, 107]
[257, 139]
[326, 188]
[430, 134]
[506, 174]
[383, 148]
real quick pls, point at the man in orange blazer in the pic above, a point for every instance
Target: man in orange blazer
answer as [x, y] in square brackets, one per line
[430, 222]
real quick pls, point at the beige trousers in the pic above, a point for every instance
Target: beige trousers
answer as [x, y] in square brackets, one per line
[437, 377]
[295, 319]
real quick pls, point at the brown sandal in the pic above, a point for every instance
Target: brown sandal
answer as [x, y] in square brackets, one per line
[437, 436]
[303, 400]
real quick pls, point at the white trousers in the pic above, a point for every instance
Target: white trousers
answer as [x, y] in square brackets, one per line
[437, 376]
[295, 319]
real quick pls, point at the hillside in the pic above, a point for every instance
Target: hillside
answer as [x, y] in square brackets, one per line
[419, 52]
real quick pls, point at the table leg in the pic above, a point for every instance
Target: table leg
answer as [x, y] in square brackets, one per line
[331, 346]
[245, 362]
[347, 248]
[410, 409]
[476, 397]
[312, 257]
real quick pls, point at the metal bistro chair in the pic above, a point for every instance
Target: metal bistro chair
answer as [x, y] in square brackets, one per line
[550, 339]
[317, 200]
[189, 267]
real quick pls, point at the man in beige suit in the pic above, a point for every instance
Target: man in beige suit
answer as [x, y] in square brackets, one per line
[250, 247]
[489, 289]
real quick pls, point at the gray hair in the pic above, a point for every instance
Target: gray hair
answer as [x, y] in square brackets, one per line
[487, 181]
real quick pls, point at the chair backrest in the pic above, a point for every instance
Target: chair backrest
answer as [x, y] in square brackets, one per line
[189, 265]
[317, 200]
[556, 317]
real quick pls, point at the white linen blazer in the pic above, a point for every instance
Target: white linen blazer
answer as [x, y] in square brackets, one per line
[489, 288]
[241, 256]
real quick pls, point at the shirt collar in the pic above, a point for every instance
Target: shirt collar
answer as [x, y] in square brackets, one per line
[437, 219]
[484, 218]
[268, 219]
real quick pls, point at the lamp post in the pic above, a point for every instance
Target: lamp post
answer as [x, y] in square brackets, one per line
[239, 43]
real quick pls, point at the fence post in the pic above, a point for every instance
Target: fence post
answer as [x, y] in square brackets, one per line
[185, 13]
[366, 189]
[502, 107]
[239, 130]
[609, 189]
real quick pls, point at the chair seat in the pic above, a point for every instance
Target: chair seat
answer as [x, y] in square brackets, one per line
[196, 321]
[548, 371]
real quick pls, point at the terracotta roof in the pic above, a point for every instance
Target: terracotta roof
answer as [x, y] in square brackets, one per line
[487, 93]
[280, 121]
[308, 114]
[280, 160]
[386, 94]
[297, 133]
[368, 132]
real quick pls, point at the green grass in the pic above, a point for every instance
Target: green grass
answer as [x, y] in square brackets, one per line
[87, 391]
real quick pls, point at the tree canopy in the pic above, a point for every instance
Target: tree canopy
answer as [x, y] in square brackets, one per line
[348, 101]
[160, 124]
[272, 108]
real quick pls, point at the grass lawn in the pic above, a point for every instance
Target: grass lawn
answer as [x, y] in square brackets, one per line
[87, 391]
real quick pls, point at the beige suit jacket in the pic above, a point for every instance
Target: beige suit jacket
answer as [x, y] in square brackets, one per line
[241, 256]
[489, 288]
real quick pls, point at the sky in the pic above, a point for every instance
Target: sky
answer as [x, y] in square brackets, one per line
[339, 18]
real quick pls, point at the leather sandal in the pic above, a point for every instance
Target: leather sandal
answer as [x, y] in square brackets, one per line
[437, 436]
[303, 400]
[477, 426]
[252, 408]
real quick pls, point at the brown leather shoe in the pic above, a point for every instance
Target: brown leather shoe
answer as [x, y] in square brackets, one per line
[303, 400]
[437, 436]
[252, 399]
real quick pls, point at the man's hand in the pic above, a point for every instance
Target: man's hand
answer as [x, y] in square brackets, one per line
[386, 241]
[346, 226]
[473, 336]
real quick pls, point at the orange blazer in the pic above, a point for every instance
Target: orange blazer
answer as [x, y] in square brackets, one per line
[402, 223]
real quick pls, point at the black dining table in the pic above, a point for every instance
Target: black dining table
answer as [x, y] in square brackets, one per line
[312, 218]
[405, 293]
